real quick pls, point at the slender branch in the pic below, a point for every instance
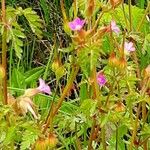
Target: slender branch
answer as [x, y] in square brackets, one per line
[143, 18]
[116, 137]
[67, 89]
[130, 14]
[54, 110]
[124, 14]
[144, 88]
[103, 137]
[4, 50]
[78, 143]
[91, 135]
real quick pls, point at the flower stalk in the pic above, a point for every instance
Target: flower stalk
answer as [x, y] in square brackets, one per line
[4, 50]
[54, 110]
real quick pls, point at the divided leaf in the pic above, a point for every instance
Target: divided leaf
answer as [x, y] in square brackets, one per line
[34, 21]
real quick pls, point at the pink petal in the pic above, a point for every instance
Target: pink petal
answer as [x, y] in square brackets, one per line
[129, 46]
[101, 79]
[72, 26]
[76, 24]
[114, 27]
[43, 87]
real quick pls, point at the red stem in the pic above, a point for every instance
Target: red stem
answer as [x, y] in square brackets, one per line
[4, 50]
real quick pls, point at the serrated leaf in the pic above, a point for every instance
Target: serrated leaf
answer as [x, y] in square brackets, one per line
[88, 57]
[28, 139]
[34, 21]
[88, 107]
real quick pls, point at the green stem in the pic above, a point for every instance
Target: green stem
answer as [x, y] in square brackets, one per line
[67, 89]
[103, 137]
[116, 137]
[143, 18]
[91, 135]
[78, 143]
[4, 50]
[130, 14]
[10, 65]
[50, 110]
[124, 14]
[144, 88]
[47, 66]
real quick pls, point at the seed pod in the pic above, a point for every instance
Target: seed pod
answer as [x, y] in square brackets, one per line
[122, 63]
[113, 61]
[51, 140]
[41, 144]
[115, 3]
[120, 107]
[147, 71]
[55, 65]
[90, 8]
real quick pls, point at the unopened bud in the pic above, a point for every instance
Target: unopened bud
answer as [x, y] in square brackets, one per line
[55, 65]
[122, 63]
[120, 107]
[41, 144]
[90, 8]
[147, 71]
[115, 3]
[113, 61]
[52, 141]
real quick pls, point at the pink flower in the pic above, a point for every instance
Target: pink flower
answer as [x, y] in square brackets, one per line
[76, 24]
[129, 47]
[43, 87]
[101, 79]
[114, 27]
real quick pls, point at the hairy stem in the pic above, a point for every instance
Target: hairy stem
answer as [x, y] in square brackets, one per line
[4, 50]
[124, 14]
[91, 135]
[144, 88]
[130, 14]
[103, 137]
[143, 18]
[54, 110]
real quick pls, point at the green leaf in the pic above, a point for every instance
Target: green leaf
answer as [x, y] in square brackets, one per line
[18, 79]
[33, 74]
[28, 139]
[88, 107]
[34, 21]
[88, 58]
[10, 135]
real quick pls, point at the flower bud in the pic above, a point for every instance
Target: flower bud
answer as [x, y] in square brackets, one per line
[51, 141]
[90, 8]
[122, 63]
[120, 107]
[2, 72]
[113, 61]
[55, 65]
[41, 144]
[115, 3]
[147, 71]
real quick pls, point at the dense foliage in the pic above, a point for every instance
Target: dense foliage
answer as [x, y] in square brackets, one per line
[92, 60]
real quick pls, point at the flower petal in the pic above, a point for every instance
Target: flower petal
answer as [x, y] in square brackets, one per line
[101, 79]
[43, 87]
[76, 24]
